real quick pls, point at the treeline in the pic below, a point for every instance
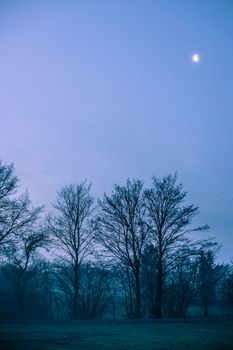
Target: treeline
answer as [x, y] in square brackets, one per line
[130, 254]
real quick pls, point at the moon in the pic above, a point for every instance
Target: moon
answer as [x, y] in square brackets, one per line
[196, 58]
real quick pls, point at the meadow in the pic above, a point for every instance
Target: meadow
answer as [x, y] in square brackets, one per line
[190, 334]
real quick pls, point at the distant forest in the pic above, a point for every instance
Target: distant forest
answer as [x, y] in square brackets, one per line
[130, 254]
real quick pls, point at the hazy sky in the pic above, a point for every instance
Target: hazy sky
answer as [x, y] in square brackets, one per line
[106, 90]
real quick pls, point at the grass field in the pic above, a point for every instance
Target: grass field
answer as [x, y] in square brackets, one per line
[118, 335]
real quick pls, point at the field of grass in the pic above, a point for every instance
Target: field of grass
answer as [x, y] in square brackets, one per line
[118, 335]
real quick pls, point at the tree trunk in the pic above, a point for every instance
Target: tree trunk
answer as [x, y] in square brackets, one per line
[205, 304]
[20, 295]
[159, 292]
[75, 310]
[130, 308]
[138, 294]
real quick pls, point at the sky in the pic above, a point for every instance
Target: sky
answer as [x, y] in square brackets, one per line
[107, 90]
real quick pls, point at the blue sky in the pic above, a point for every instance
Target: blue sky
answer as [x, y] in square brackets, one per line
[106, 90]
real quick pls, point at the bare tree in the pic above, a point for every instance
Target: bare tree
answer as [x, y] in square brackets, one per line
[8, 182]
[21, 254]
[179, 290]
[94, 295]
[72, 232]
[16, 214]
[123, 232]
[169, 220]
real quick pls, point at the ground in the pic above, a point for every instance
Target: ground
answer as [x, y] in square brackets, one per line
[188, 334]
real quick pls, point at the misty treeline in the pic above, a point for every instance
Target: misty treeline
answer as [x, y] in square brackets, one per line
[132, 253]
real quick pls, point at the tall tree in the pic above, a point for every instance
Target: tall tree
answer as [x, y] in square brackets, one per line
[16, 214]
[169, 220]
[72, 233]
[123, 232]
